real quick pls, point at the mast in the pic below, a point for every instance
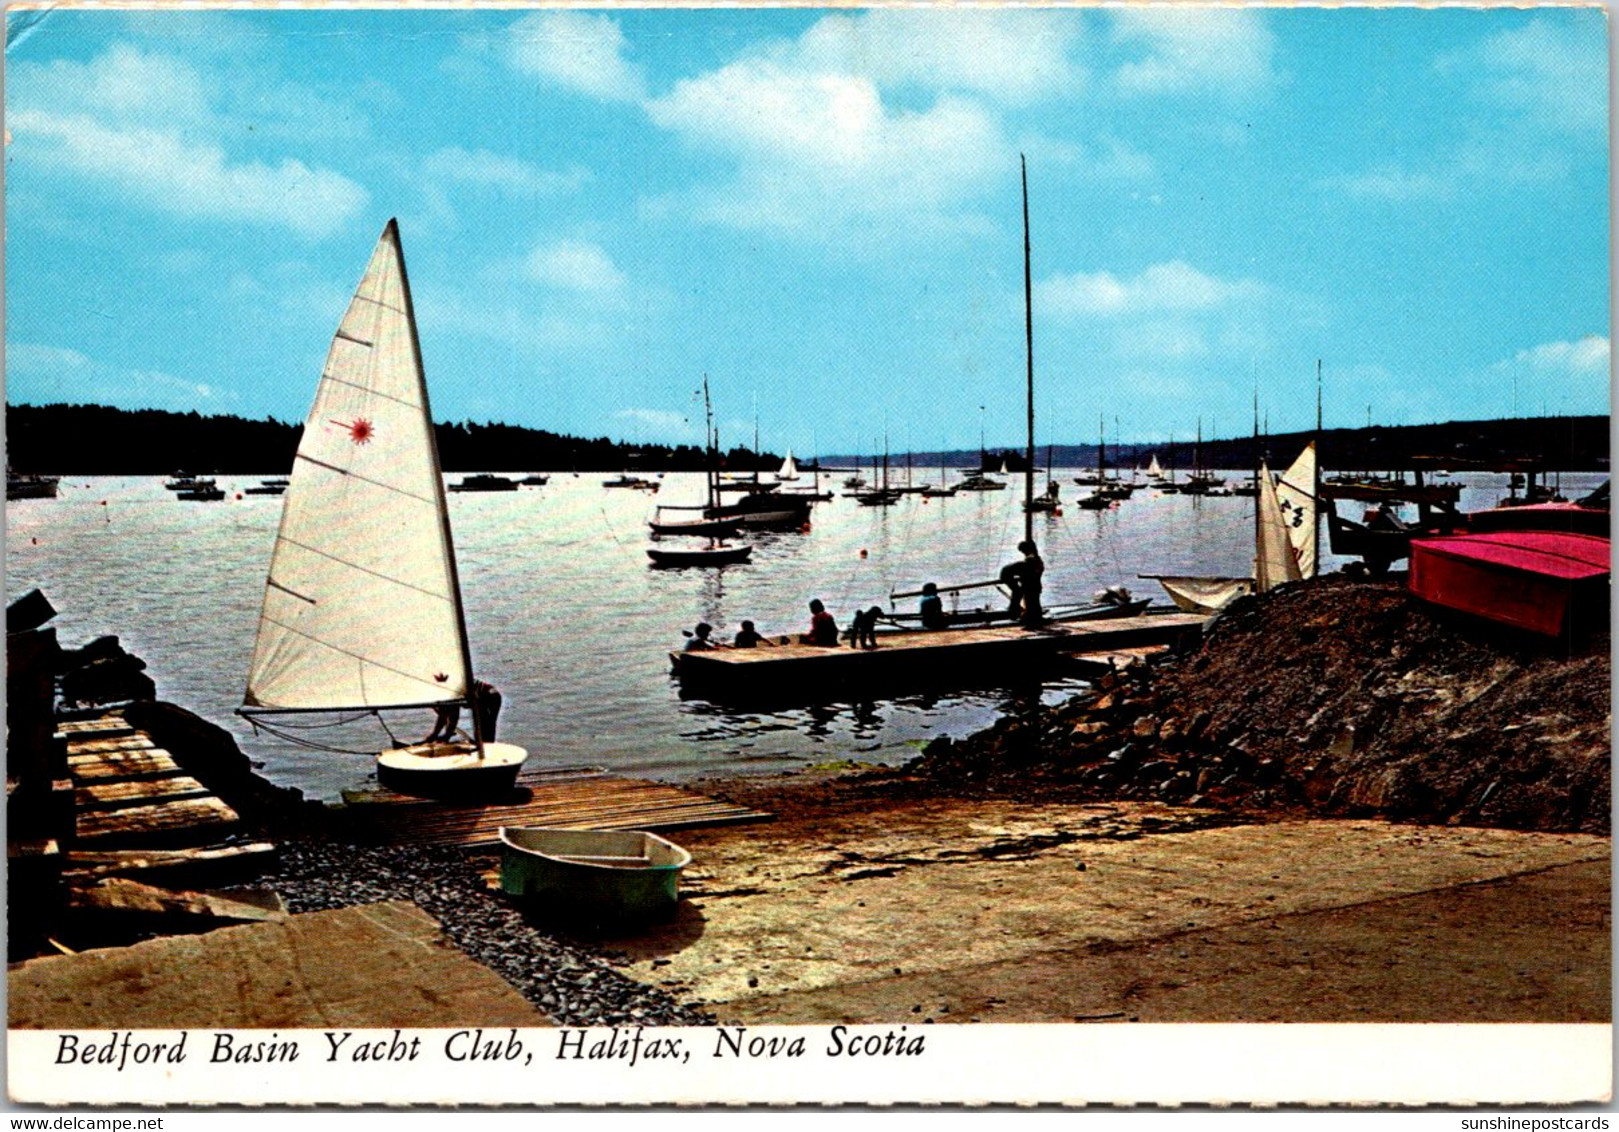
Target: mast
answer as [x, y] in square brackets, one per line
[438, 490]
[1258, 529]
[710, 470]
[1315, 487]
[1028, 339]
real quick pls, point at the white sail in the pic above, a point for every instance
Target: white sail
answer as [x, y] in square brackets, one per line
[1204, 595]
[362, 608]
[1275, 561]
[1295, 495]
[789, 470]
[1153, 469]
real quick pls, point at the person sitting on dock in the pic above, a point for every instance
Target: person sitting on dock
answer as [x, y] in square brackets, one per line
[748, 637]
[697, 640]
[823, 630]
[932, 608]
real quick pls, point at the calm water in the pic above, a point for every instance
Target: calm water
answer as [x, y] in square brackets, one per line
[568, 620]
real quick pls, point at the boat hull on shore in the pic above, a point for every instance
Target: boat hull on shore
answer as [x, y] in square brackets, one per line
[601, 876]
[451, 770]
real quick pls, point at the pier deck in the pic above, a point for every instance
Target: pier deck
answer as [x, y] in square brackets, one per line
[137, 813]
[963, 656]
[554, 798]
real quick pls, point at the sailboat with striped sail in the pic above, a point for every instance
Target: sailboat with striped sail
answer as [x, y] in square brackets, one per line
[1284, 541]
[362, 606]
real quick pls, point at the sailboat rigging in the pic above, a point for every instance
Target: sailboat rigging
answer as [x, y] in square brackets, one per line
[362, 605]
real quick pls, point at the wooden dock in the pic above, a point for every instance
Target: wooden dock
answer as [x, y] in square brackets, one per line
[556, 798]
[943, 658]
[137, 813]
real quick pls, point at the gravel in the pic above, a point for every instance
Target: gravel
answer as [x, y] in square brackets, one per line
[574, 984]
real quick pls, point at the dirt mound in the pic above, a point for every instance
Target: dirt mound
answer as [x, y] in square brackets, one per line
[1333, 697]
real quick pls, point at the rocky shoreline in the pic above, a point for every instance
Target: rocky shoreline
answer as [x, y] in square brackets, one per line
[1333, 698]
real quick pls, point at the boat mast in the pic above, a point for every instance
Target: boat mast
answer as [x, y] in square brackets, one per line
[438, 491]
[1028, 339]
[711, 457]
[1315, 487]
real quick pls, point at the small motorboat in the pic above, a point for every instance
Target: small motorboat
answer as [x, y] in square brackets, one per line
[596, 875]
[708, 556]
[535, 480]
[485, 482]
[268, 487]
[201, 491]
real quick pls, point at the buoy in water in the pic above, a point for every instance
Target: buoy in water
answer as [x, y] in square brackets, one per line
[862, 552]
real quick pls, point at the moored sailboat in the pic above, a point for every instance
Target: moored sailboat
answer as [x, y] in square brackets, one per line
[362, 606]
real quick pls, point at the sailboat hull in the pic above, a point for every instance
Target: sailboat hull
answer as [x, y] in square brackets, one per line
[451, 770]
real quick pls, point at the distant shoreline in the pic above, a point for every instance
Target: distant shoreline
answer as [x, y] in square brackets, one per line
[101, 440]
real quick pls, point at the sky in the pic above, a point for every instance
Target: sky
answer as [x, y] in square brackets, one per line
[820, 211]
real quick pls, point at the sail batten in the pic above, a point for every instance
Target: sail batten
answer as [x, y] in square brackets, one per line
[362, 607]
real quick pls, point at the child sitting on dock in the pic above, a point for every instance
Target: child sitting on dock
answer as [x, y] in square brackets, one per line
[932, 608]
[823, 630]
[748, 637]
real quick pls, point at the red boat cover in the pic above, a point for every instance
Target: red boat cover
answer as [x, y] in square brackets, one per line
[1531, 579]
[1554, 554]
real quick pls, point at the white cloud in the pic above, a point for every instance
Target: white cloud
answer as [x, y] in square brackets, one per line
[1555, 71]
[1589, 355]
[34, 357]
[578, 51]
[1008, 55]
[509, 174]
[39, 374]
[1393, 183]
[1203, 50]
[143, 125]
[574, 265]
[189, 179]
[1175, 286]
[816, 148]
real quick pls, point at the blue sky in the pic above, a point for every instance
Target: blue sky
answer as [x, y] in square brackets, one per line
[820, 211]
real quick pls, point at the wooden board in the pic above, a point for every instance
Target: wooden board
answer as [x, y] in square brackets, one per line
[194, 820]
[591, 801]
[122, 896]
[137, 792]
[107, 766]
[1093, 664]
[213, 864]
[108, 724]
[134, 741]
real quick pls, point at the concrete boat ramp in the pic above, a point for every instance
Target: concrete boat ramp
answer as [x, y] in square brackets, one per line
[995, 911]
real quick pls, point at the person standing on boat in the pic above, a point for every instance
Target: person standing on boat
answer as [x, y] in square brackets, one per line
[485, 700]
[823, 629]
[932, 608]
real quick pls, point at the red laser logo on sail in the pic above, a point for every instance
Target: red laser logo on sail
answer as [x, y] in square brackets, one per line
[441, 677]
[360, 431]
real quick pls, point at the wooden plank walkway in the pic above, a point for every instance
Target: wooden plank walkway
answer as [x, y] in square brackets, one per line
[135, 809]
[558, 798]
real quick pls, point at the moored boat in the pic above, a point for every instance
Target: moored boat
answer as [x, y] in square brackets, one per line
[483, 481]
[201, 491]
[29, 486]
[706, 556]
[607, 876]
